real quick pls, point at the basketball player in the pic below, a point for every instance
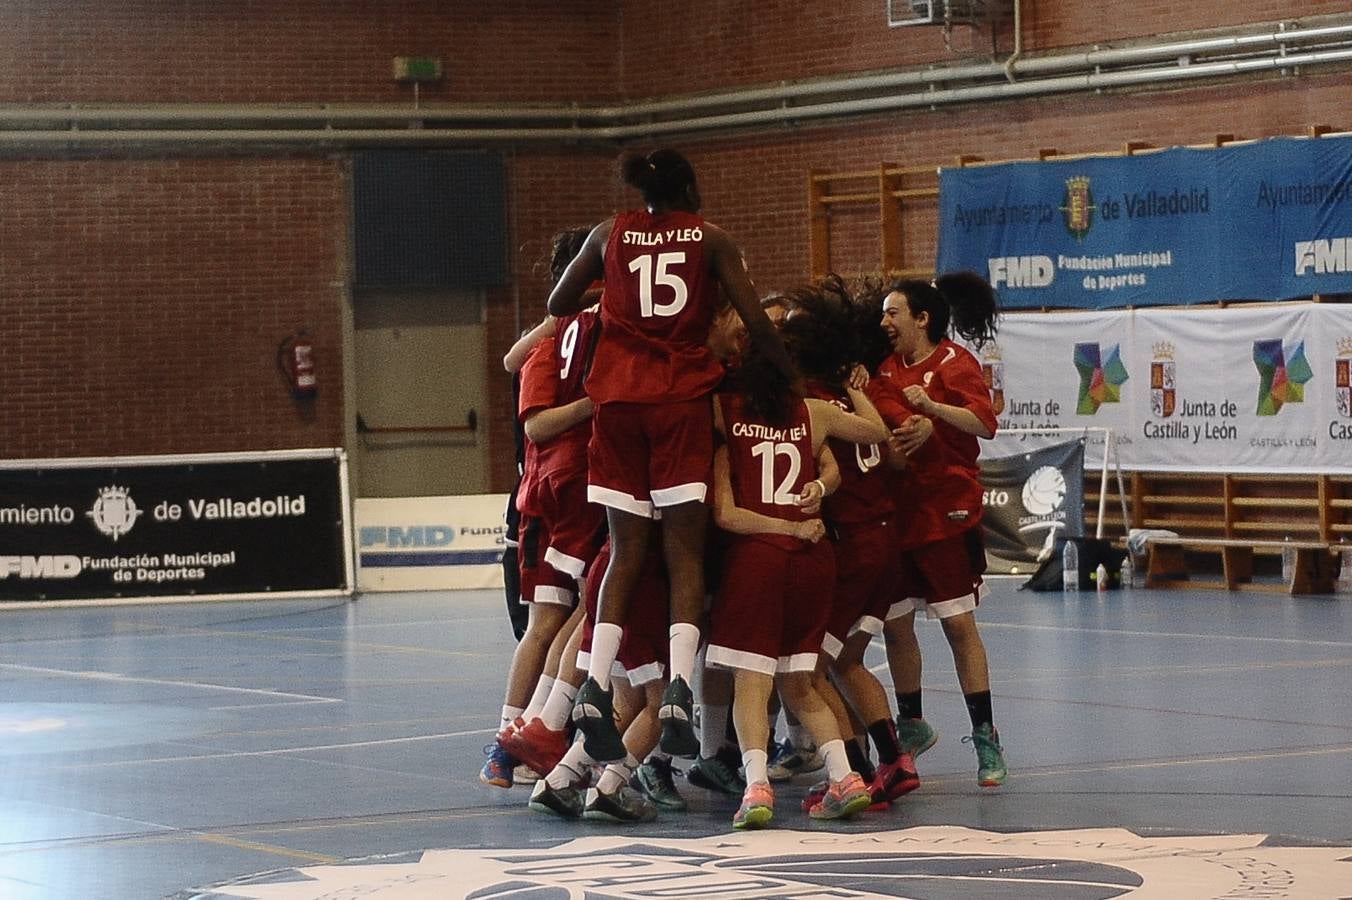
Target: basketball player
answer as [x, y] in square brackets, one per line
[652, 440]
[941, 548]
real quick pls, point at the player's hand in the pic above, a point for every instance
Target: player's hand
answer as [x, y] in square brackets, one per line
[812, 530]
[858, 378]
[912, 433]
[918, 399]
[810, 500]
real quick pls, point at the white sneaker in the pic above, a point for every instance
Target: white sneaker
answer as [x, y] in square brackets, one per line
[793, 761]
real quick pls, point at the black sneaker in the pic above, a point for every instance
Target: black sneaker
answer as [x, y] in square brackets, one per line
[654, 778]
[718, 773]
[625, 805]
[594, 713]
[564, 802]
[677, 716]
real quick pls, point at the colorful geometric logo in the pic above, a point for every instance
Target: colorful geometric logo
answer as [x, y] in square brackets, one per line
[1101, 377]
[1281, 375]
[1078, 206]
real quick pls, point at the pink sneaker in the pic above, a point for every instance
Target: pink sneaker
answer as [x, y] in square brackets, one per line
[843, 799]
[758, 806]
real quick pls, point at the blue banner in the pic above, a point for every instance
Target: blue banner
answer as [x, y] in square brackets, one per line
[1265, 221]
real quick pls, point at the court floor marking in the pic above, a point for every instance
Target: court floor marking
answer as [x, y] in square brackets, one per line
[183, 835]
[1156, 710]
[1166, 763]
[284, 751]
[304, 855]
[1181, 635]
[95, 675]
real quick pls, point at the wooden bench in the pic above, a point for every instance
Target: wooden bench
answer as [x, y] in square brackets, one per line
[1313, 572]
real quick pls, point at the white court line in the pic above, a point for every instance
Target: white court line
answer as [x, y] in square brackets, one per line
[1304, 642]
[285, 751]
[133, 679]
[285, 703]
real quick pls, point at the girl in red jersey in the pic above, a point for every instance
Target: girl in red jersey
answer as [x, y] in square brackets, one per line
[652, 443]
[825, 341]
[942, 553]
[773, 602]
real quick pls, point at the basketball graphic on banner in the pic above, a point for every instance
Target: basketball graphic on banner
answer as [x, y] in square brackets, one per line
[1044, 491]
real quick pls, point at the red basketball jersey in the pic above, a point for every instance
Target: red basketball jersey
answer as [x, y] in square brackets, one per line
[940, 491]
[539, 386]
[656, 310]
[862, 495]
[574, 343]
[770, 464]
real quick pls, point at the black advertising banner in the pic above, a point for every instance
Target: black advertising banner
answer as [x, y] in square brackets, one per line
[1032, 500]
[142, 527]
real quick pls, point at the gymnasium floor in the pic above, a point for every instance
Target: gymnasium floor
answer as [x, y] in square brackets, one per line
[164, 751]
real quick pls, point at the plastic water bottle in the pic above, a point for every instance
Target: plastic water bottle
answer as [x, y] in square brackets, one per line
[1101, 578]
[1288, 561]
[1070, 567]
[1126, 575]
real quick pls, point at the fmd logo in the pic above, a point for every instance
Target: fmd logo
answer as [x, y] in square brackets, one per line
[1021, 271]
[409, 536]
[940, 863]
[40, 566]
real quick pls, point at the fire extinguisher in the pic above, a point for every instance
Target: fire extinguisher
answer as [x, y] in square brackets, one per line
[295, 360]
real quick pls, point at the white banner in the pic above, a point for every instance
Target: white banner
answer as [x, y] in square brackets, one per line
[1253, 389]
[430, 543]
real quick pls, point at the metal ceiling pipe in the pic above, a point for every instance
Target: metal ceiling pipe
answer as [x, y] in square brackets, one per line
[610, 115]
[419, 133]
[1088, 81]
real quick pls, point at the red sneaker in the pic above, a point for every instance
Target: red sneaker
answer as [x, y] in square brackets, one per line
[895, 779]
[537, 746]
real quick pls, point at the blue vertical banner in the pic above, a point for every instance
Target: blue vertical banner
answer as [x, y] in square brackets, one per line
[1264, 221]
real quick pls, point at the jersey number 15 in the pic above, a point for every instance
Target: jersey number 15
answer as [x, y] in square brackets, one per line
[652, 271]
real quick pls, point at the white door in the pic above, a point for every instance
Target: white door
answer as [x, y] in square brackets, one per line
[419, 375]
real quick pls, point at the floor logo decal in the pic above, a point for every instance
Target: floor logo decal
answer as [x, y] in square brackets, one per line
[929, 863]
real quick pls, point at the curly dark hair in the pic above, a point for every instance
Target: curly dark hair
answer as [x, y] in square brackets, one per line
[820, 334]
[563, 247]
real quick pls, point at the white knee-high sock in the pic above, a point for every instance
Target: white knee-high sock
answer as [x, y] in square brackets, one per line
[605, 647]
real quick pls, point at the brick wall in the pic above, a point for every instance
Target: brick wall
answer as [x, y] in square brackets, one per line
[144, 301]
[708, 45]
[145, 295]
[196, 51]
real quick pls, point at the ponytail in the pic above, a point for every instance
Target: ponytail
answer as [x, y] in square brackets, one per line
[961, 301]
[664, 177]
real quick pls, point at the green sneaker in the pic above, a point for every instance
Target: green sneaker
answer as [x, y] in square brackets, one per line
[990, 759]
[654, 779]
[915, 736]
[717, 773]
[564, 802]
[625, 805]
[676, 714]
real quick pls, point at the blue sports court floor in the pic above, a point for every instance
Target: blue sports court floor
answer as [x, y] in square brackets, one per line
[1161, 744]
